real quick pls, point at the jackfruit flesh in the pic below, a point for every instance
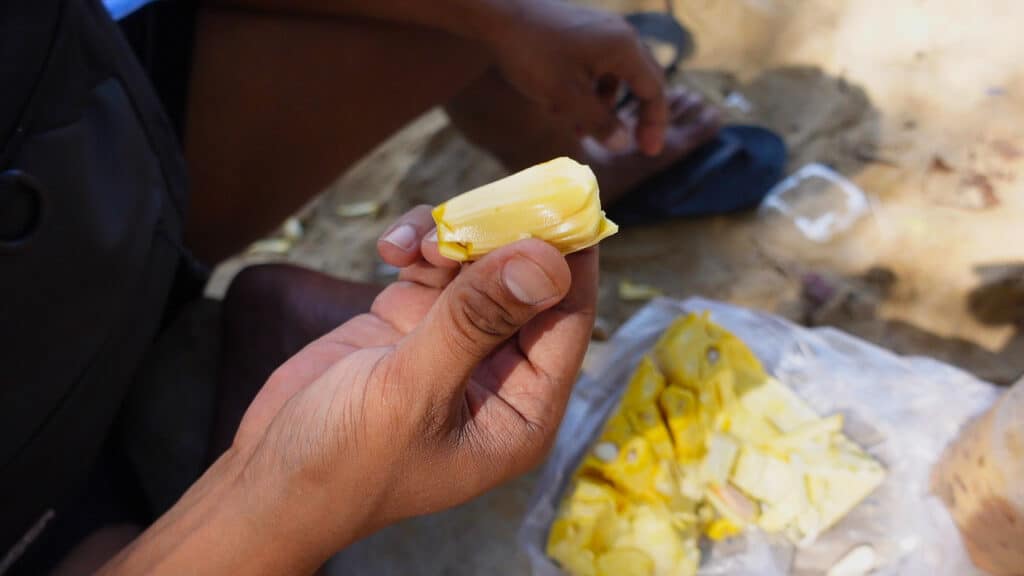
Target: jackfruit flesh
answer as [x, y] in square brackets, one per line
[704, 442]
[557, 201]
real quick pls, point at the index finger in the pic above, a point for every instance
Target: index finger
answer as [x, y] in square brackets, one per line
[647, 82]
[399, 245]
[432, 252]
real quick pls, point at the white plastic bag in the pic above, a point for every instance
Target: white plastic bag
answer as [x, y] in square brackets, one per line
[903, 410]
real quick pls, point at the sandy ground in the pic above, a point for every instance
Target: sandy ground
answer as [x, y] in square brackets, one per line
[921, 104]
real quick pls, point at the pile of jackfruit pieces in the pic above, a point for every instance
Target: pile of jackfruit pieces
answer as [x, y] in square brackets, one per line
[704, 443]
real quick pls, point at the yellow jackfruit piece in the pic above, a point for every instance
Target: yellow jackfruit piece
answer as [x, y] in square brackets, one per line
[584, 525]
[746, 426]
[610, 530]
[811, 434]
[694, 348]
[588, 490]
[653, 533]
[567, 532]
[723, 528]
[666, 487]
[576, 560]
[617, 431]
[733, 355]
[732, 504]
[682, 415]
[764, 476]
[836, 493]
[556, 201]
[716, 396]
[704, 441]
[780, 405]
[647, 422]
[625, 562]
[777, 517]
[634, 468]
[682, 351]
[588, 503]
[646, 384]
[717, 464]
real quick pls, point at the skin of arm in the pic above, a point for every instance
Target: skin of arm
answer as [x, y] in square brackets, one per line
[474, 19]
[230, 523]
[555, 53]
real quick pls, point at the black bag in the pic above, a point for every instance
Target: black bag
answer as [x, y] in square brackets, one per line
[92, 203]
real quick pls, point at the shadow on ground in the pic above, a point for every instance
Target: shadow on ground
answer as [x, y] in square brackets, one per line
[853, 304]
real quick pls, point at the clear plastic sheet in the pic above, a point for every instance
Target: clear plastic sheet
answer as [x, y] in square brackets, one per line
[903, 410]
[819, 202]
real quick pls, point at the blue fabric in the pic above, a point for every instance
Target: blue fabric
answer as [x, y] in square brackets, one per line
[120, 8]
[732, 172]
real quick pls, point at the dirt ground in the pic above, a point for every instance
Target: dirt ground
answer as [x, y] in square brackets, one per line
[921, 104]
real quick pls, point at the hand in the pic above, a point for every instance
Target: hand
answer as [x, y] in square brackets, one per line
[454, 382]
[572, 59]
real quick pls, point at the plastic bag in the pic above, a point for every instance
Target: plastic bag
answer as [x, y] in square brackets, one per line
[979, 479]
[818, 201]
[902, 410]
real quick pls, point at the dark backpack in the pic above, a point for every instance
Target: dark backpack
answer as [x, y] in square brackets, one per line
[92, 202]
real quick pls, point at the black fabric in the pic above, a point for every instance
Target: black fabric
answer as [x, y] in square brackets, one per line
[109, 495]
[86, 293]
[162, 35]
[21, 207]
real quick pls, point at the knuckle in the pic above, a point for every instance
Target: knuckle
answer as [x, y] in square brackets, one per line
[476, 311]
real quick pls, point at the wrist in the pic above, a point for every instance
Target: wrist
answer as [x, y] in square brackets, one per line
[227, 522]
[317, 511]
[280, 531]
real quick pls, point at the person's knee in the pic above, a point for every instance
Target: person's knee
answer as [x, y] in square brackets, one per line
[264, 286]
[297, 304]
[257, 295]
[265, 302]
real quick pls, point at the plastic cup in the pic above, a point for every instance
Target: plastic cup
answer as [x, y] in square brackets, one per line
[981, 480]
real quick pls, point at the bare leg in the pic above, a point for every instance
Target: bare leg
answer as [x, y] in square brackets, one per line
[281, 105]
[271, 312]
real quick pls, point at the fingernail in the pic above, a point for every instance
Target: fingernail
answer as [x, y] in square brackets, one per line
[403, 237]
[619, 140]
[432, 237]
[527, 282]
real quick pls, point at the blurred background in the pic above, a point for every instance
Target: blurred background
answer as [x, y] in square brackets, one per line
[919, 104]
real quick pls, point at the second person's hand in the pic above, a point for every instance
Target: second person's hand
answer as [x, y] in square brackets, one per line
[571, 59]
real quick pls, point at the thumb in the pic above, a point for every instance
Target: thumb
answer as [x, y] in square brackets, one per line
[486, 304]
